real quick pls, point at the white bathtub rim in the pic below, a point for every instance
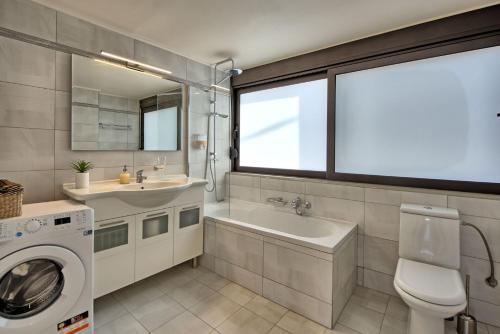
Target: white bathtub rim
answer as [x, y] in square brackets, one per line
[320, 244]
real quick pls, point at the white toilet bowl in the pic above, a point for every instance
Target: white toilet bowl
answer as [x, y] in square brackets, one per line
[431, 292]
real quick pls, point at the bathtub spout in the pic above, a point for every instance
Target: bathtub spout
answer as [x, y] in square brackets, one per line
[300, 205]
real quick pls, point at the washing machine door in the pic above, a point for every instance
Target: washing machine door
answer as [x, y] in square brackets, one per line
[38, 287]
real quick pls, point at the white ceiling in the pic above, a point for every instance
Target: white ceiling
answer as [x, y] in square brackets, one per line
[256, 32]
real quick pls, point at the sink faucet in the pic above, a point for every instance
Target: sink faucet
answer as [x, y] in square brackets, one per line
[300, 205]
[139, 178]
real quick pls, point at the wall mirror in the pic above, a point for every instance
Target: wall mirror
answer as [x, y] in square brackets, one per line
[117, 108]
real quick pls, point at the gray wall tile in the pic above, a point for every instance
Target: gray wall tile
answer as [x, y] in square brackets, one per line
[199, 72]
[63, 110]
[26, 149]
[63, 71]
[382, 221]
[89, 37]
[167, 60]
[38, 185]
[481, 207]
[29, 18]
[64, 156]
[395, 197]
[381, 255]
[26, 64]
[328, 189]
[26, 106]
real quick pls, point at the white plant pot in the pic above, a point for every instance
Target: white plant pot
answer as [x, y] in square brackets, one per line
[82, 180]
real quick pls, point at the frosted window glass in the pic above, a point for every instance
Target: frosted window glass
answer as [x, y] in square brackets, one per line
[434, 118]
[160, 130]
[285, 127]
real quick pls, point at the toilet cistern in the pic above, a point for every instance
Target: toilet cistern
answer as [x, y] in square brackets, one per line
[427, 275]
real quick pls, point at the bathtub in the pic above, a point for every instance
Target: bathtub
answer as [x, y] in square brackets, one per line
[320, 234]
[306, 264]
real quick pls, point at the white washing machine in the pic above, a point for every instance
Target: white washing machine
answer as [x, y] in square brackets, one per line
[46, 259]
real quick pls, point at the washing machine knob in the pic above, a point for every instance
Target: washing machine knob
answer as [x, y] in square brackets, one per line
[32, 226]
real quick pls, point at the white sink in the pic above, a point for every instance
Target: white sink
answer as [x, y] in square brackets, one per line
[150, 193]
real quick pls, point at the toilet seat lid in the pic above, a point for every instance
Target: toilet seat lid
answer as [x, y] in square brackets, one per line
[433, 284]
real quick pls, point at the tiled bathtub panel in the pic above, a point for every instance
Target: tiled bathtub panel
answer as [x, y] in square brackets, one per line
[345, 260]
[302, 272]
[344, 275]
[239, 275]
[209, 237]
[308, 306]
[239, 249]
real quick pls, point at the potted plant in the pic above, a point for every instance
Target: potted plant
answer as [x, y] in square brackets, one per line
[82, 168]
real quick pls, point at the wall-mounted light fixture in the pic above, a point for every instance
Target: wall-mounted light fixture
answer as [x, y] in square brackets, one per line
[127, 67]
[220, 88]
[134, 64]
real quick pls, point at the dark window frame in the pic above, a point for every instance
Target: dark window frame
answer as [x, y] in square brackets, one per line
[236, 117]
[402, 56]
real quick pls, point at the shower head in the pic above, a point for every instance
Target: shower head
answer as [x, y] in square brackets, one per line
[229, 74]
[234, 72]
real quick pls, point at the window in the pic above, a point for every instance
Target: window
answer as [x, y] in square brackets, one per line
[284, 126]
[429, 118]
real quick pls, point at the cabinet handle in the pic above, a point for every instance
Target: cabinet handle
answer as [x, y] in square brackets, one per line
[156, 214]
[111, 223]
[190, 207]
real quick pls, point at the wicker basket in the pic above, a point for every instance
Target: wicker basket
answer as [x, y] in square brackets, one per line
[11, 199]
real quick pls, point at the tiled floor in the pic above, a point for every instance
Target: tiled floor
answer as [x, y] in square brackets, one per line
[185, 300]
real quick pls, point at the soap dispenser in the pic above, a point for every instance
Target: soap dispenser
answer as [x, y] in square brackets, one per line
[124, 176]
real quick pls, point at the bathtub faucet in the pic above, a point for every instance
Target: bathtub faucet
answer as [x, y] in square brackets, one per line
[300, 205]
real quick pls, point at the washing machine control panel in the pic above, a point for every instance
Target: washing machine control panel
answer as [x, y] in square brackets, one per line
[62, 222]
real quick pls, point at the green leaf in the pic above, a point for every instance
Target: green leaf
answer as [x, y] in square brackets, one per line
[82, 166]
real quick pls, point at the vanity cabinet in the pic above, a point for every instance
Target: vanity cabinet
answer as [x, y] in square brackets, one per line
[132, 243]
[114, 254]
[154, 242]
[188, 241]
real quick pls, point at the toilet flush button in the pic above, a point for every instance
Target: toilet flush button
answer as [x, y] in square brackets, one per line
[32, 226]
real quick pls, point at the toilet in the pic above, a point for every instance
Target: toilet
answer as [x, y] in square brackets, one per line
[427, 276]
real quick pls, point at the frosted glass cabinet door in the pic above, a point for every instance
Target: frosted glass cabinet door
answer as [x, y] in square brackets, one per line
[114, 254]
[188, 240]
[434, 118]
[154, 242]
